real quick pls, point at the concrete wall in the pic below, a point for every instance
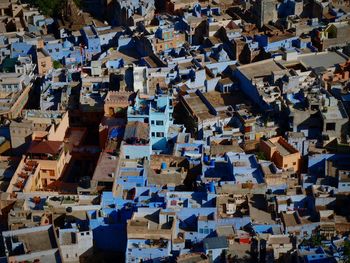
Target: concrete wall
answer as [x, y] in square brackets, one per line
[60, 131]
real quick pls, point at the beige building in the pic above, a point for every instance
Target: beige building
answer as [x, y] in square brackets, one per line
[284, 155]
[117, 102]
[44, 61]
[279, 245]
[42, 166]
[38, 125]
[14, 93]
[43, 133]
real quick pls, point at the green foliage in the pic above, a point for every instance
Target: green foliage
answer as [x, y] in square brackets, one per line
[56, 64]
[313, 241]
[49, 7]
[316, 240]
[79, 3]
[346, 254]
[261, 156]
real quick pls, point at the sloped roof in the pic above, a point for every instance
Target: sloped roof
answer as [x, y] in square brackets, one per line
[136, 129]
[45, 147]
[215, 243]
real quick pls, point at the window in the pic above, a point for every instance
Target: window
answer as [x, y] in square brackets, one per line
[152, 122]
[127, 157]
[294, 163]
[160, 134]
[159, 123]
[201, 231]
[330, 127]
[285, 166]
[153, 134]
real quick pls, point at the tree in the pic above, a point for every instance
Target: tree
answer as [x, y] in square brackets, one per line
[346, 254]
[49, 7]
[313, 241]
[261, 156]
[56, 64]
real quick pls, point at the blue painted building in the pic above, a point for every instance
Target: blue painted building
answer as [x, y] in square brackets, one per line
[22, 49]
[214, 247]
[274, 43]
[91, 41]
[158, 113]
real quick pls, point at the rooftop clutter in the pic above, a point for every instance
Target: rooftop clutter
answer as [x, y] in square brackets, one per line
[175, 131]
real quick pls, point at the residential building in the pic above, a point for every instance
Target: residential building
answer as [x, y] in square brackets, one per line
[284, 155]
[44, 62]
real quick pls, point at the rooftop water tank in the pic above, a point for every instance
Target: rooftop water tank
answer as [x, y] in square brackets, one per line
[206, 159]
[163, 166]
[211, 187]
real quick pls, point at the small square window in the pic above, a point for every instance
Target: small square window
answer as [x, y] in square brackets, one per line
[160, 134]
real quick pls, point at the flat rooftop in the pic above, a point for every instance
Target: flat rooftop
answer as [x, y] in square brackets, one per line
[324, 59]
[105, 167]
[38, 241]
[217, 100]
[170, 176]
[10, 78]
[34, 239]
[8, 166]
[259, 69]
[316, 60]
[48, 256]
[257, 211]
[46, 114]
[283, 147]
[335, 113]
[290, 219]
